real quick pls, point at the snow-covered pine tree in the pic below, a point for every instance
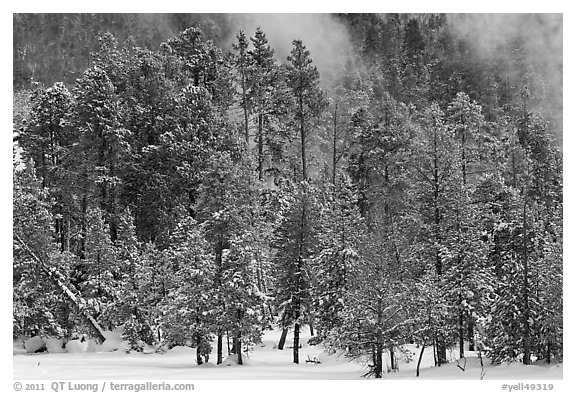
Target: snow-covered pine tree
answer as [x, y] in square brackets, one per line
[43, 291]
[188, 307]
[309, 99]
[98, 270]
[427, 312]
[545, 189]
[434, 167]
[375, 310]
[130, 306]
[36, 300]
[341, 230]
[242, 62]
[47, 140]
[269, 100]
[465, 254]
[295, 246]
[243, 305]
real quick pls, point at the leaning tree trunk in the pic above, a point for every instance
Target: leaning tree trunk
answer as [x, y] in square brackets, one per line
[282, 339]
[420, 359]
[71, 294]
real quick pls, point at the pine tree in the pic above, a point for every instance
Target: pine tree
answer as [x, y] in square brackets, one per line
[130, 307]
[47, 140]
[188, 303]
[99, 271]
[435, 182]
[339, 239]
[464, 253]
[32, 221]
[242, 64]
[295, 245]
[303, 79]
[375, 315]
[268, 95]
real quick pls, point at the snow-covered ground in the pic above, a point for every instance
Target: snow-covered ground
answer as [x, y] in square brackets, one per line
[265, 362]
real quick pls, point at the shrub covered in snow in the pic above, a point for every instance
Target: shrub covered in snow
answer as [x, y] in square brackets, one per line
[55, 345]
[35, 344]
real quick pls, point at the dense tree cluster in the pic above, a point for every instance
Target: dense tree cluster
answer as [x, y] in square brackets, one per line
[191, 195]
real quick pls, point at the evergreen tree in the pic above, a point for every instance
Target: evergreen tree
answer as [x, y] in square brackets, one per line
[339, 240]
[435, 182]
[243, 63]
[295, 246]
[374, 313]
[99, 271]
[303, 79]
[269, 101]
[188, 306]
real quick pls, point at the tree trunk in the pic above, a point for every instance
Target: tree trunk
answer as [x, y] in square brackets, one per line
[311, 329]
[434, 353]
[471, 336]
[238, 346]
[437, 206]
[228, 342]
[441, 351]
[218, 262]
[239, 336]
[379, 342]
[392, 357]
[282, 339]
[113, 210]
[219, 349]
[440, 345]
[378, 360]
[526, 340]
[68, 234]
[303, 137]
[245, 105]
[420, 360]
[460, 327]
[199, 358]
[296, 342]
[260, 148]
[83, 227]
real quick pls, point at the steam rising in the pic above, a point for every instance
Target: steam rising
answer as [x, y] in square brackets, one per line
[325, 37]
[492, 36]
[499, 35]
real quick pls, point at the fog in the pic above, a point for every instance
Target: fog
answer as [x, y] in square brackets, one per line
[540, 36]
[323, 35]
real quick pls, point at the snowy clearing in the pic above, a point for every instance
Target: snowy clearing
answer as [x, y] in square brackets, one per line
[265, 362]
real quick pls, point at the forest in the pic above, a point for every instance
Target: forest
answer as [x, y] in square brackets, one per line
[182, 179]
